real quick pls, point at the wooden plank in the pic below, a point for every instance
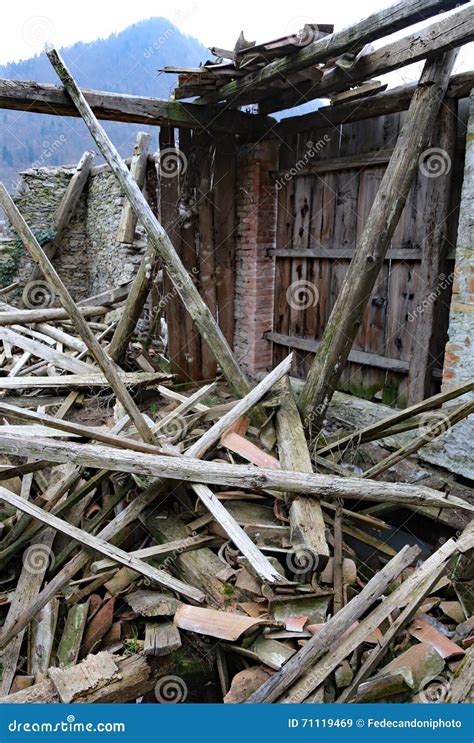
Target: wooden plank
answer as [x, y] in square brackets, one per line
[393, 101]
[110, 551]
[21, 95]
[350, 162]
[42, 351]
[106, 365]
[158, 238]
[272, 689]
[357, 357]
[203, 148]
[76, 381]
[225, 229]
[347, 313]
[128, 220]
[375, 26]
[232, 476]
[307, 529]
[435, 216]
[436, 39]
[30, 317]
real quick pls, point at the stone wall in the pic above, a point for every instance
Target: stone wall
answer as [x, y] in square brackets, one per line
[454, 449]
[89, 259]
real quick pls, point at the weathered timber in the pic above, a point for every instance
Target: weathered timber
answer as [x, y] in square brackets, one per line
[106, 365]
[47, 314]
[99, 678]
[380, 427]
[66, 208]
[346, 315]
[233, 476]
[392, 101]
[437, 429]
[110, 551]
[307, 529]
[42, 351]
[77, 381]
[434, 244]
[12, 411]
[325, 665]
[379, 651]
[272, 689]
[438, 38]
[185, 287]
[140, 286]
[21, 95]
[128, 220]
[379, 24]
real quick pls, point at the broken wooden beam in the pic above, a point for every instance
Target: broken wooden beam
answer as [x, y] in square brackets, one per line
[346, 315]
[25, 95]
[99, 678]
[107, 366]
[439, 38]
[232, 476]
[128, 219]
[158, 237]
[106, 549]
[379, 24]
[307, 528]
[277, 684]
[391, 101]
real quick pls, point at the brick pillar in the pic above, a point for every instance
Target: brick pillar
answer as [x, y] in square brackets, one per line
[255, 270]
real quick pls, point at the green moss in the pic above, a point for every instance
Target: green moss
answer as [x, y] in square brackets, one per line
[9, 266]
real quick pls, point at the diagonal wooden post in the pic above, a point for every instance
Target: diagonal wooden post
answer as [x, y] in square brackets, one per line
[158, 237]
[346, 316]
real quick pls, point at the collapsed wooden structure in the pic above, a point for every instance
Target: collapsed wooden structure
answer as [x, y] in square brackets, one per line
[238, 511]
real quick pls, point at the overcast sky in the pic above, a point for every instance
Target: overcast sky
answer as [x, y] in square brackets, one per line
[28, 24]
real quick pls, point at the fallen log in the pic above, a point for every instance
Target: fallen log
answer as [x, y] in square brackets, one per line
[158, 237]
[232, 476]
[106, 549]
[107, 366]
[276, 685]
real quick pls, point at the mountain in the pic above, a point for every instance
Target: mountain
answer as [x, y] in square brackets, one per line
[125, 62]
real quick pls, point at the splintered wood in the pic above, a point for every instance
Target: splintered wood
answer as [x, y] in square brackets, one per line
[151, 530]
[224, 534]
